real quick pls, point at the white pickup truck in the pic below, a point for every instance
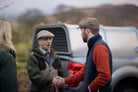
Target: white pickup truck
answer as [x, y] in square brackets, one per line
[123, 42]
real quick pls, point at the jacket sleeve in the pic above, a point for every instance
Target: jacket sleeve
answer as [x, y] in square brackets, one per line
[34, 73]
[77, 77]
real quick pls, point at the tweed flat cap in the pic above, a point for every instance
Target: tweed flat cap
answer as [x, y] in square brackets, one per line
[90, 23]
[45, 33]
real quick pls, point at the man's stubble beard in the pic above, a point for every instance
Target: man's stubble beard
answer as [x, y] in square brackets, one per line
[85, 38]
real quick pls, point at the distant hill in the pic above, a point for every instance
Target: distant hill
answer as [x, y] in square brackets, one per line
[125, 11]
[118, 15]
[121, 15]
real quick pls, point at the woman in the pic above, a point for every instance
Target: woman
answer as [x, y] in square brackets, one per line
[8, 72]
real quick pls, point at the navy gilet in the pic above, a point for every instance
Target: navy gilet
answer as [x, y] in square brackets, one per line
[91, 71]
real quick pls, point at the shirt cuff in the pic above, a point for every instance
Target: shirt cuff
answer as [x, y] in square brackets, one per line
[89, 89]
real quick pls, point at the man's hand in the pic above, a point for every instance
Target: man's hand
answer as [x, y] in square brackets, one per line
[58, 82]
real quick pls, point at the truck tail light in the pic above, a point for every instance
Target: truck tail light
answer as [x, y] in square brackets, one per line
[74, 68]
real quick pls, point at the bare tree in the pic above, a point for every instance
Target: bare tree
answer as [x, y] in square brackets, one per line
[60, 10]
[4, 4]
[31, 17]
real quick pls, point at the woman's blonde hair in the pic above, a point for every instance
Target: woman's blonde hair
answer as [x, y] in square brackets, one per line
[5, 35]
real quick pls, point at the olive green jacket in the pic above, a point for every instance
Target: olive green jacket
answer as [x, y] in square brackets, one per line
[36, 64]
[8, 71]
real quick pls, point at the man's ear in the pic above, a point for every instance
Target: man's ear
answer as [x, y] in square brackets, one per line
[38, 41]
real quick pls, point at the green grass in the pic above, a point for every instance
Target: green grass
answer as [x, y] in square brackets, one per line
[21, 67]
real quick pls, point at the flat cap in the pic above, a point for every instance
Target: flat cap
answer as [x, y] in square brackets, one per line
[90, 23]
[45, 33]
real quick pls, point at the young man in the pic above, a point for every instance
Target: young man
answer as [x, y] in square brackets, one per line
[97, 71]
[43, 64]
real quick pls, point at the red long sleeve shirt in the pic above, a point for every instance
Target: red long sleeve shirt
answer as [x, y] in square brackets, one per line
[101, 61]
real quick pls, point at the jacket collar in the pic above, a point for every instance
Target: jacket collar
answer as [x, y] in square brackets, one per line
[43, 51]
[93, 40]
[12, 52]
[37, 52]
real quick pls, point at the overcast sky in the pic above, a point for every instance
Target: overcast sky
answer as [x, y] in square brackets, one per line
[48, 6]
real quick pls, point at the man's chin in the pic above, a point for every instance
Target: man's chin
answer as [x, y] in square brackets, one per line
[85, 41]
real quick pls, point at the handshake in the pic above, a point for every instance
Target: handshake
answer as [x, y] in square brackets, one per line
[58, 82]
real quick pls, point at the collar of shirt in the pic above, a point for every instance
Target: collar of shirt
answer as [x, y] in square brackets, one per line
[43, 51]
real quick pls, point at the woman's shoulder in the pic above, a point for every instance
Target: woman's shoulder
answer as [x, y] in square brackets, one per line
[7, 52]
[3, 55]
[2, 51]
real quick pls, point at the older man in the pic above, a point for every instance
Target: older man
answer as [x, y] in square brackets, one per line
[43, 64]
[97, 71]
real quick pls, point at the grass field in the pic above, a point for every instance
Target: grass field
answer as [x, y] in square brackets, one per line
[22, 77]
